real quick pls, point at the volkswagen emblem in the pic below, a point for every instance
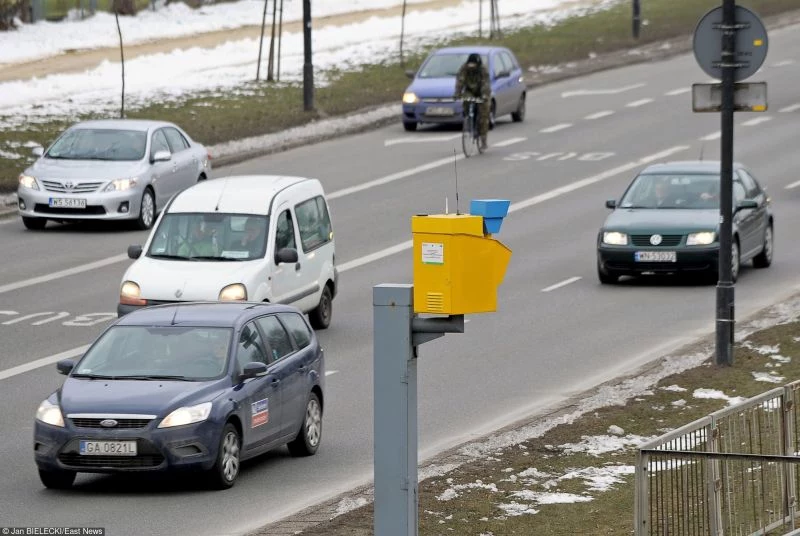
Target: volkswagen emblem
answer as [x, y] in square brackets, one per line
[178, 293]
[655, 239]
[108, 423]
[69, 185]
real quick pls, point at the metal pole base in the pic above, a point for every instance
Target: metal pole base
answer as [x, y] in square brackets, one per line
[725, 321]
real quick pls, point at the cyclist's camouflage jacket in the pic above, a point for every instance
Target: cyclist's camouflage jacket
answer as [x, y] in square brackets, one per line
[474, 81]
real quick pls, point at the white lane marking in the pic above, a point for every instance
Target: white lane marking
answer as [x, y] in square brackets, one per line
[792, 108]
[555, 128]
[640, 102]
[713, 136]
[330, 372]
[410, 172]
[43, 362]
[793, 185]
[783, 63]
[419, 139]
[598, 115]
[757, 121]
[63, 273]
[584, 92]
[561, 284]
[407, 244]
[679, 91]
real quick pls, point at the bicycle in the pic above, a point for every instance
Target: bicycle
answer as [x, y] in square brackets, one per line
[470, 131]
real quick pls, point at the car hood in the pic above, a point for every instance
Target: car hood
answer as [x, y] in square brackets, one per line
[662, 220]
[161, 279]
[144, 397]
[433, 87]
[49, 168]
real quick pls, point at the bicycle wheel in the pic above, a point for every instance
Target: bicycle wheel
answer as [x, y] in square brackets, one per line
[467, 138]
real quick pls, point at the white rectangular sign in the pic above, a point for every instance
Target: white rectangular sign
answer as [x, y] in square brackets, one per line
[432, 253]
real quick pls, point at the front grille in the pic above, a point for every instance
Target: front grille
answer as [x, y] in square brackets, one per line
[121, 423]
[78, 188]
[442, 99]
[88, 211]
[666, 240]
[117, 462]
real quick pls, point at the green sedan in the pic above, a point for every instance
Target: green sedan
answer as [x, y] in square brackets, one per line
[667, 222]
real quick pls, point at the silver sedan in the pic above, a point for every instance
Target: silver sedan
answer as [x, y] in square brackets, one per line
[120, 169]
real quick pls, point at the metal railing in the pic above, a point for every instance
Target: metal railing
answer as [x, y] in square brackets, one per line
[733, 472]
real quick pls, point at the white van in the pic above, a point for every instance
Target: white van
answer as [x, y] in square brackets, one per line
[254, 238]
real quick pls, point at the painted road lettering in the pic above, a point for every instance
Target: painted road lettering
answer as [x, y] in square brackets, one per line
[38, 319]
[559, 156]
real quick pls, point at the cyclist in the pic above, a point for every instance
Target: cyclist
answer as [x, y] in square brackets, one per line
[473, 79]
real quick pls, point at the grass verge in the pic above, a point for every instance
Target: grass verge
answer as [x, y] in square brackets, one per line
[262, 108]
[577, 478]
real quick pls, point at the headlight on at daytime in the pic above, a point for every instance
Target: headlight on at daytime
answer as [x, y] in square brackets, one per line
[28, 182]
[50, 414]
[187, 415]
[615, 238]
[701, 239]
[129, 294]
[235, 292]
[410, 98]
[120, 185]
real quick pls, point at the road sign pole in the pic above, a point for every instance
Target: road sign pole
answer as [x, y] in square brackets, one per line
[308, 67]
[637, 18]
[725, 286]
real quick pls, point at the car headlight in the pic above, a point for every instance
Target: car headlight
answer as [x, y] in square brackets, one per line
[50, 413]
[615, 238]
[410, 98]
[187, 415]
[28, 182]
[120, 185]
[701, 239]
[129, 294]
[235, 292]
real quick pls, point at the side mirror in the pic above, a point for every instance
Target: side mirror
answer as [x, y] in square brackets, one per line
[135, 251]
[287, 255]
[162, 156]
[611, 203]
[38, 150]
[253, 370]
[65, 366]
[411, 74]
[503, 74]
[746, 204]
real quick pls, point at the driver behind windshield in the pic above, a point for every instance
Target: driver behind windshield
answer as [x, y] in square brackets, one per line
[200, 243]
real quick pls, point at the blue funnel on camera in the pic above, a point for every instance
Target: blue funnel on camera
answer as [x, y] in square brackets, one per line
[492, 210]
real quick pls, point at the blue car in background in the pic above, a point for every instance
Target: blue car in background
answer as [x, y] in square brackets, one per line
[189, 386]
[429, 98]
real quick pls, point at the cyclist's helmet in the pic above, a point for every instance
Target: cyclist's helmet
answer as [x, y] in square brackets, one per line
[474, 58]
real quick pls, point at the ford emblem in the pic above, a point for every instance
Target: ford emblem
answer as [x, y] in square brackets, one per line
[655, 239]
[108, 423]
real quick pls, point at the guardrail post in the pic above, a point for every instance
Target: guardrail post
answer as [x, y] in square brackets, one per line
[713, 471]
[641, 497]
[789, 449]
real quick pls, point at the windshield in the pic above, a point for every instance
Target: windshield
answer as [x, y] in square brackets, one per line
[160, 352]
[99, 144]
[673, 191]
[210, 237]
[445, 65]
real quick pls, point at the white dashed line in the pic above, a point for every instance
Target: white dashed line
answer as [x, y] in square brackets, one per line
[636, 104]
[561, 284]
[714, 136]
[783, 63]
[679, 91]
[330, 372]
[506, 143]
[793, 185]
[555, 128]
[757, 121]
[598, 115]
[792, 108]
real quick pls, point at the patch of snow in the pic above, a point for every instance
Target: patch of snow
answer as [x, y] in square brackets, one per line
[674, 388]
[453, 492]
[679, 403]
[9, 156]
[768, 377]
[715, 394]
[615, 430]
[347, 504]
[430, 471]
[597, 445]
[763, 349]
[517, 509]
[533, 473]
[550, 498]
[781, 359]
[600, 478]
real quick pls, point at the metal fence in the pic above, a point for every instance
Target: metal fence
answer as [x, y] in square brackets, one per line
[733, 472]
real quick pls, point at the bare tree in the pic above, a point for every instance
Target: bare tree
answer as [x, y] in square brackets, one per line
[122, 58]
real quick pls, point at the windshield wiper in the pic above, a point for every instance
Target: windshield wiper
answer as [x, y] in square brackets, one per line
[165, 256]
[211, 258]
[94, 376]
[154, 377]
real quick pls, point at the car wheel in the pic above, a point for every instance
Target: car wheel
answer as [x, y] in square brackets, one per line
[320, 317]
[57, 479]
[519, 115]
[34, 224]
[411, 127]
[606, 277]
[735, 260]
[226, 469]
[307, 441]
[764, 259]
[147, 211]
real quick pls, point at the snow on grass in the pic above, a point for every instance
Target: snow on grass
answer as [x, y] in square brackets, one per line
[10, 156]
[453, 491]
[717, 395]
[600, 478]
[781, 359]
[763, 349]
[674, 388]
[768, 377]
[540, 497]
[616, 430]
[679, 403]
[516, 509]
[347, 504]
[597, 445]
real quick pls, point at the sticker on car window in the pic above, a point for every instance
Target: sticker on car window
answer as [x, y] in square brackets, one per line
[235, 254]
[260, 411]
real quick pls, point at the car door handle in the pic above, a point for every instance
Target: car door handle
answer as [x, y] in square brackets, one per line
[275, 381]
[297, 267]
[303, 369]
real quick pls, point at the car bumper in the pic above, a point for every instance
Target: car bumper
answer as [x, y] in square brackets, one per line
[425, 112]
[99, 206]
[190, 447]
[621, 261]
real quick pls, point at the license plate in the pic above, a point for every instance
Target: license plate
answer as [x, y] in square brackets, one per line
[439, 110]
[108, 448]
[68, 202]
[656, 256]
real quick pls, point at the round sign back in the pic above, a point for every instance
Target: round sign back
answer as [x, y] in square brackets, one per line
[751, 43]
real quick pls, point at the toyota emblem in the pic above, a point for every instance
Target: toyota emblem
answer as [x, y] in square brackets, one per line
[69, 185]
[655, 239]
[108, 423]
[178, 293]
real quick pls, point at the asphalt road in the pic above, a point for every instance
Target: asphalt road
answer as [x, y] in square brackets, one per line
[582, 142]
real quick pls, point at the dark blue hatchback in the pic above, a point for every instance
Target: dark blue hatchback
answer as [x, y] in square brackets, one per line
[190, 386]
